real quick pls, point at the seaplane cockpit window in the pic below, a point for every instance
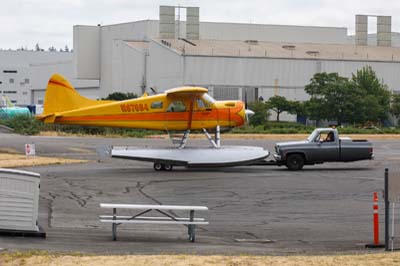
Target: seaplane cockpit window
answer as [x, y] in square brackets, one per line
[157, 105]
[200, 104]
[207, 99]
[176, 106]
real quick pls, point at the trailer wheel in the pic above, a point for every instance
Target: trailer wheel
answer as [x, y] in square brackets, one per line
[295, 162]
[158, 166]
[168, 167]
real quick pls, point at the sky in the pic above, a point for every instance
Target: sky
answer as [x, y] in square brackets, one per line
[23, 23]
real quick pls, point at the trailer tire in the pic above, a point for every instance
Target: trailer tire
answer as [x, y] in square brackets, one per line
[168, 167]
[159, 166]
[295, 162]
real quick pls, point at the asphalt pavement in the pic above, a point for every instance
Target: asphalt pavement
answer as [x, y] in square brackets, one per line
[252, 210]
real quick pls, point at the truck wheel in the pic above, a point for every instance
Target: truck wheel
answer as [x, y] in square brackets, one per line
[295, 162]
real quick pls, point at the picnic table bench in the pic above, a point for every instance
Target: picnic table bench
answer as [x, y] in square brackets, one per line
[166, 217]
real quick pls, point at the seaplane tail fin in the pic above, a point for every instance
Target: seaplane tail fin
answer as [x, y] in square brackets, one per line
[61, 97]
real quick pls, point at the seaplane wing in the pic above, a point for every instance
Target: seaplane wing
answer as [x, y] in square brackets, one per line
[180, 109]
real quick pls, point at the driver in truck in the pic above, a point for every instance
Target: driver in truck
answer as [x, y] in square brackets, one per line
[330, 137]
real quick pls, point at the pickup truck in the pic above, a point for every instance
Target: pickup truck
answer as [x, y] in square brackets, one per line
[323, 145]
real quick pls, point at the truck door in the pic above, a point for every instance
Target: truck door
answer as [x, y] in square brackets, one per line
[325, 147]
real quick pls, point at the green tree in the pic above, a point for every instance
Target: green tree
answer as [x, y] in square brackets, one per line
[120, 96]
[395, 108]
[332, 98]
[298, 108]
[261, 113]
[279, 104]
[374, 96]
[361, 99]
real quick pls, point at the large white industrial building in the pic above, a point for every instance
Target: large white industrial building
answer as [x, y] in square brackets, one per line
[24, 75]
[230, 59]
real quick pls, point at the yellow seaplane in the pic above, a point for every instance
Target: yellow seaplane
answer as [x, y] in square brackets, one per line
[178, 109]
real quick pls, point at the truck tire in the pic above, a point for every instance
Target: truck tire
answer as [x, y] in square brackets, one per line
[295, 162]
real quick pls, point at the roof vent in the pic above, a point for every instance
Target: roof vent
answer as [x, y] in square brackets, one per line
[253, 42]
[313, 53]
[168, 44]
[289, 47]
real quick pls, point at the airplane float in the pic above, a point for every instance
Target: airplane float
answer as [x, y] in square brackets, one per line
[10, 110]
[178, 109]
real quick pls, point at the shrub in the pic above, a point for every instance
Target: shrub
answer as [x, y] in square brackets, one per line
[23, 124]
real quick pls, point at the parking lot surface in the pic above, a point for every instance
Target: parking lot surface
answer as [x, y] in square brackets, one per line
[252, 209]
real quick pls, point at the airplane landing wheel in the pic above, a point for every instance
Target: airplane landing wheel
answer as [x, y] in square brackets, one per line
[158, 166]
[168, 167]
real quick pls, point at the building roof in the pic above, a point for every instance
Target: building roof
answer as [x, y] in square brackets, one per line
[140, 45]
[282, 50]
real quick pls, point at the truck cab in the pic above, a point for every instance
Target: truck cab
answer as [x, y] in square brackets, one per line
[323, 145]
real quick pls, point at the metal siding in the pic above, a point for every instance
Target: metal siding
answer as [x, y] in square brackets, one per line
[139, 30]
[128, 67]
[192, 23]
[167, 22]
[274, 33]
[86, 52]
[255, 72]
[226, 93]
[388, 72]
[165, 68]
[19, 200]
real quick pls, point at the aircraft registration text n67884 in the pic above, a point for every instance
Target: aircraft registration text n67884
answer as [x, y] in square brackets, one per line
[140, 107]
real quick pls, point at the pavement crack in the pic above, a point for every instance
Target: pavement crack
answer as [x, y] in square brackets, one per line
[50, 202]
[140, 188]
[81, 201]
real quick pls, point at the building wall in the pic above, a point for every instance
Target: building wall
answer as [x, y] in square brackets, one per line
[128, 66]
[388, 72]
[95, 46]
[165, 68]
[41, 74]
[87, 52]
[108, 36]
[15, 84]
[228, 77]
[16, 77]
[124, 68]
[242, 72]
[25, 58]
[272, 33]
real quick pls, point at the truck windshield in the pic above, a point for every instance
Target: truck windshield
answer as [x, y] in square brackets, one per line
[312, 136]
[322, 134]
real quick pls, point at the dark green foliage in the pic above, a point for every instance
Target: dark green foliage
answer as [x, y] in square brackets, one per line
[261, 113]
[374, 96]
[23, 124]
[28, 125]
[395, 108]
[120, 96]
[279, 104]
[332, 98]
[357, 101]
[273, 127]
